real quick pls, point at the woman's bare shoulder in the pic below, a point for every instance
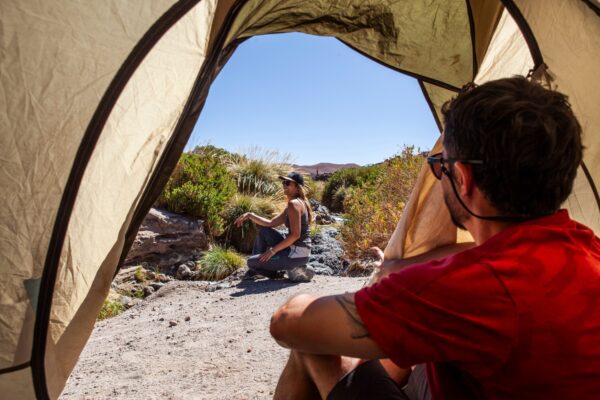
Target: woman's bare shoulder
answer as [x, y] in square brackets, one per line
[296, 204]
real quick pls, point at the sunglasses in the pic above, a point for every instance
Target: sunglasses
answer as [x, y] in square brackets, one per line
[286, 183]
[436, 163]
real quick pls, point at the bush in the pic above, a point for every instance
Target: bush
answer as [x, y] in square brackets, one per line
[200, 186]
[256, 173]
[110, 309]
[212, 151]
[335, 190]
[373, 209]
[218, 263]
[242, 238]
[314, 189]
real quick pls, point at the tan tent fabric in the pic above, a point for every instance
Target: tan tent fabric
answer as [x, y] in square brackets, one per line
[17, 385]
[133, 139]
[415, 234]
[59, 58]
[53, 75]
[568, 34]
[485, 17]
[430, 38]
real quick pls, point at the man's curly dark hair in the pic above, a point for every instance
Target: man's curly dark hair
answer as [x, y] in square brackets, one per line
[528, 137]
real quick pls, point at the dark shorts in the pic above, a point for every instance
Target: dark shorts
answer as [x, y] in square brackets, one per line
[370, 381]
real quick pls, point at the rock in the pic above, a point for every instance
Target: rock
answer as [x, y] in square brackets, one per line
[303, 273]
[129, 302]
[321, 269]
[183, 272]
[188, 318]
[327, 254]
[172, 323]
[157, 285]
[321, 213]
[148, 290]
[166, 239]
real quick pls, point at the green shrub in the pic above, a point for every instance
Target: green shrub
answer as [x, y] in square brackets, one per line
[242, 238]
[373, 209]
[218, 263]
[335, 190]
[257, 171]
[200, 186]
[212, 151]
[110, 309]
[140, 274]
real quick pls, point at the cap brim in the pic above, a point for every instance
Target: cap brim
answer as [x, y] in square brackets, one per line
[285, 178]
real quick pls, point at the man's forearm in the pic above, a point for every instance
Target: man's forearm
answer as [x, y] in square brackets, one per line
[323, 325]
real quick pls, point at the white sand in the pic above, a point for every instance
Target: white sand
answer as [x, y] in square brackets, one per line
[223, 352]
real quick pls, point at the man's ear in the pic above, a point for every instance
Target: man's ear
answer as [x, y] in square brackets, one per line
[463, 177]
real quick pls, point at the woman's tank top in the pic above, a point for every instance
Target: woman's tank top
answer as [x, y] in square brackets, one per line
[304, 239]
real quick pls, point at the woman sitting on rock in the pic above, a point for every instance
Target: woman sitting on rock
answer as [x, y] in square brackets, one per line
[273, 252]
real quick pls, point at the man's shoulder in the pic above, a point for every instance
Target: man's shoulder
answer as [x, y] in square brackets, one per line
[467, 264]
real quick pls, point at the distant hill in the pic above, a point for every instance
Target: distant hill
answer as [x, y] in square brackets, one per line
[322, 168]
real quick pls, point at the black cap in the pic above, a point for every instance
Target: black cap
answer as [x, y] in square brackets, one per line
[294, 177]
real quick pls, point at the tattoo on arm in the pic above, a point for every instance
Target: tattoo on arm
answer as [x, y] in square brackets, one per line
[346, 301]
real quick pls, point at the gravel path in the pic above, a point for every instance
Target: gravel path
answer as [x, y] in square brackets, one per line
[222, 351]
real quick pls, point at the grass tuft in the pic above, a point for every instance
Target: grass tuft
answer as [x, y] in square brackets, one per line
[218, 263]
[110, 308]
[242, 238]
[256, 171]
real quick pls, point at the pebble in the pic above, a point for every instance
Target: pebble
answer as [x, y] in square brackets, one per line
[172, 323]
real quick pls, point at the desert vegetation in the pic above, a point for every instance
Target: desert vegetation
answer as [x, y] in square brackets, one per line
[217, 186]
[373, 207]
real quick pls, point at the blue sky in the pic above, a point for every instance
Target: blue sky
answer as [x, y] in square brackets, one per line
[315, 99]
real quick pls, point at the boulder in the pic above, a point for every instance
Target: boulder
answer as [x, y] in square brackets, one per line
[165, 239]
[327, 254]
[301, 274]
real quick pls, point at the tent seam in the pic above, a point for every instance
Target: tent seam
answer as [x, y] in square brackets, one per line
[591, 182]
[532, 44]
[431, 106]
[196, 97]
[15, 368]
[473, 44]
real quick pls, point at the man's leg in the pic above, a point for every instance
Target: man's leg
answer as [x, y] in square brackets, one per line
[311, 376]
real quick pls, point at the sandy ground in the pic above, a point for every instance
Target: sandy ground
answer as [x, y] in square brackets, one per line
[224, 350]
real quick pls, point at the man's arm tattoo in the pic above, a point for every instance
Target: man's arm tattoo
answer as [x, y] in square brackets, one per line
[347, 303]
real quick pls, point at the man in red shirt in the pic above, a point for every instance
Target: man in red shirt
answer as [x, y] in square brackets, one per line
[517, 316]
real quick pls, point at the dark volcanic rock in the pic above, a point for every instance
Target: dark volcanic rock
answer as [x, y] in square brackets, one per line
[166, 239]
[321, 213]
[327, 254]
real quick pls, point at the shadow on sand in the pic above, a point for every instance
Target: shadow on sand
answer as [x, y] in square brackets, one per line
[261, 286]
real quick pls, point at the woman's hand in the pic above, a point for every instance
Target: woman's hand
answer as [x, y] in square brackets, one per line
[241, 219]
[266, 256]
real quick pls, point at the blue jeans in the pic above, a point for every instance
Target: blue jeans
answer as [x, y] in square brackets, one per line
[286, 259]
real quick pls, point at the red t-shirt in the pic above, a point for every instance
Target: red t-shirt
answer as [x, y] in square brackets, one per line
[517, 317]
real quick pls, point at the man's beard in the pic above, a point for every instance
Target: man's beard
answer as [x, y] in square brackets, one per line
[457, 214]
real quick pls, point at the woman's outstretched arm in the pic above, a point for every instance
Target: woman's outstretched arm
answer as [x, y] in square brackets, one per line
[258, 220]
